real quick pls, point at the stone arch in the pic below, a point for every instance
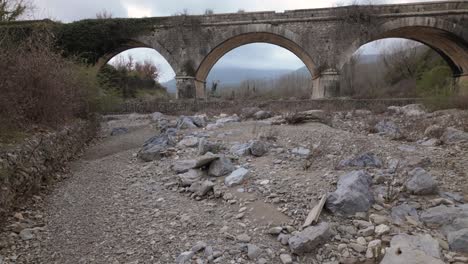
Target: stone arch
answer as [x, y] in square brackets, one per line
[283, 38]
[449, 39]
[132, 44]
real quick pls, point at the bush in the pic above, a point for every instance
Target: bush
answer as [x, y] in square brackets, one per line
[42, 89]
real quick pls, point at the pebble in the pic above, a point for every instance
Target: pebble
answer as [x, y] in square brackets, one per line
[286, 259]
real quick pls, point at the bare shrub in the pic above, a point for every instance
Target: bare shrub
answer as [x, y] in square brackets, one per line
[39, 87]
[104, 14]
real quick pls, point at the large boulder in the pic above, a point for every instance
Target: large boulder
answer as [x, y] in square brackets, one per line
[362, 161]
[440, 215]
[236, 177]
[182, 166]
[353, 194]
[388, 128]
[454, 136]
[221, 167]
[310, 238]
[419, 249]
[421, 182]
[156, 147]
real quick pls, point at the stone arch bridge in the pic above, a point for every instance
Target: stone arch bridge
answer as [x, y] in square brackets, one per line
[324, 39]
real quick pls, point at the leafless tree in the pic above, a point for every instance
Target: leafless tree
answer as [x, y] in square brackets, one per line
[11, 10]
[104, 14]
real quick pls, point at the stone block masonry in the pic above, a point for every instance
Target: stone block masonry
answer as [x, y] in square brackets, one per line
[24, 168]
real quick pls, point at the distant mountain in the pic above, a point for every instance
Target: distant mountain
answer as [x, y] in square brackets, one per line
[234, 76]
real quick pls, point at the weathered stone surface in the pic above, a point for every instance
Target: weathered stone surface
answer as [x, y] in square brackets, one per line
[440, 215]
[249, 112]
[253, 252]
[458, 240]
[229, 119]
[156, 147]
[221, 167]
[185, 257]
[400, 212]
[240, 149]
[258, 148]
[190, 177]
[156, 116]
[423, 242]
[454, 136]
[301, 151]
[388, 128]
[236, 177]
[362, 161]
[119, 131]
[182, 166]
[408, 110]
[434, 131]
[199, 120]
[310, 238]
[261, 115]
[188, 142]
[353, 194]
[421, 182]
[206, 146]
[185, 122]
[413, 250]
[201, 188]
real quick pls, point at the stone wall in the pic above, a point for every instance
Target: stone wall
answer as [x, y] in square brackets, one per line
[217, 107]
[24, 168]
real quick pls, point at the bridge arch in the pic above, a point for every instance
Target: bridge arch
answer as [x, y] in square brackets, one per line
[449, 39]
[132, 44]
[288, 40]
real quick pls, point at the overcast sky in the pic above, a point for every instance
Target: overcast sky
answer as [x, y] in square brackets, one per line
[249, 56]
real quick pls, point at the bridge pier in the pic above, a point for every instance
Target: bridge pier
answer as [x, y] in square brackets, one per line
[462, 83]
[326, 85]
[189, 87]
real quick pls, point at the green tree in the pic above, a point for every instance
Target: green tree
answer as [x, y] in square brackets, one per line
[11, 10]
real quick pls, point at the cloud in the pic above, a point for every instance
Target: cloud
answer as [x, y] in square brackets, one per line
[71, 10]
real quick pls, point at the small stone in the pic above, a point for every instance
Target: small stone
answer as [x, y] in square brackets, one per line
[368, 231]
[361, 241]
[311, 237]
[253, 252]
[421, 182]
[236, 177]
[244, 238]
[26, 234]
[378, 219]
[185, 257]
[199, 246]
[275, 230]
[382, 230]
[358, 248]
[286, 259]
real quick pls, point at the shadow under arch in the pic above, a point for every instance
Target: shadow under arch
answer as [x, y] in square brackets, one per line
[243, 39]
[446, 38]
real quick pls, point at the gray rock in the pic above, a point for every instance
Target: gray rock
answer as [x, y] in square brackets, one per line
[185, 257]
[190, 177]
[244, 238]
[253, 252]
[400, 212]
[454, 136]
[310, 238]
[221, 167]
[240, 149]
[458, 223]
[26, 234]
[229, 119]
[202, 187]
[236, 177]
[261, 115]
[249, 112]
[258, 148]
[185, 122]
[119, 131]
[199, 246]
[362, 161]
[434, 131]
[440, 215]
[301, 151]
[458, 240]
[182, 166]
[388, 128]
[412, 250]
[156, 147]
[286, 259]
[452, 196]
[156, 116]
[421, 182]
[188, 142]
[205, 146]
[199, 120]
[352, 195]
[408, 110]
